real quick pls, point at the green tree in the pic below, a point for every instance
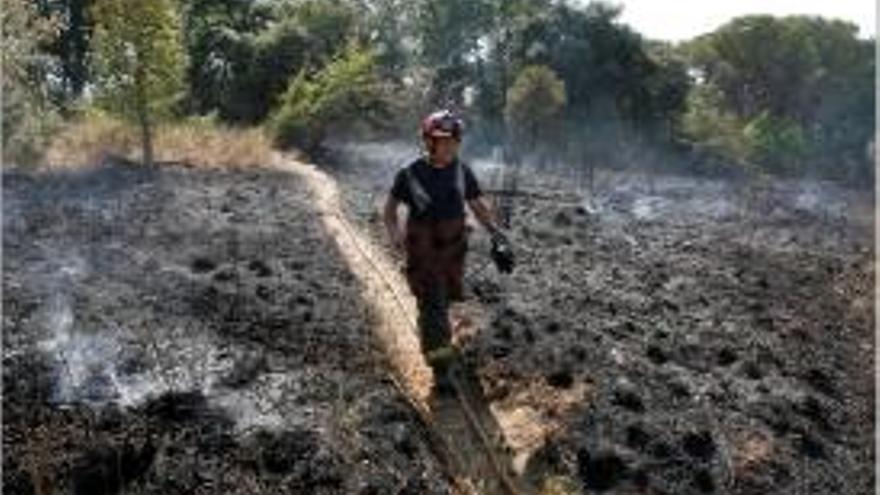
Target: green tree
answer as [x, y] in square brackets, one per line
[139, 61]
[244, 52]
[28, 114]
[387, 26]
[714, 133]
[346, 92]
[809, 73]
[534, 106]
[777, 143]
[329, 25]
[448, 35]
[69, 49]
[496, 67]
[780, 65]
[220, 39]
[608, 71]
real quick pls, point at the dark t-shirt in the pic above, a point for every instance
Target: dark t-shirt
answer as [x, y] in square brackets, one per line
[440, 184]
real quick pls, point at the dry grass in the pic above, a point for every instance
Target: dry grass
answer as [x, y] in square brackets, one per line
[88, 139]
[558, 485]
[214, 147]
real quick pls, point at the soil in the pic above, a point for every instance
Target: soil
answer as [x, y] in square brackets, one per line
[187, 331]
[668, 335]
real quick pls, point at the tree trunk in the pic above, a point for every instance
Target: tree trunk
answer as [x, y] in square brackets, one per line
[143, 115]
[146, 137]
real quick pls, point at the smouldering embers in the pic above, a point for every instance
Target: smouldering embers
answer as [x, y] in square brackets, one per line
[110, 364]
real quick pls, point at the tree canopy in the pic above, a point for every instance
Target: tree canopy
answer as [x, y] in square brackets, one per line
[801, 87]
[786, 95]
[138, 60]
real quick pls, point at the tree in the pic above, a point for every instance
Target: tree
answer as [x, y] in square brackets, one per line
[28, 114]
[794, 79]
[388, 29]
[139, 61]
[220, 40]
[329, 25]
[448, 35]
[69, 49]
[777, 143]
[534, 105]
[244, 52]
[496, 68]
[781, 65]
[714, 133]
[612, 82]
[345, 92]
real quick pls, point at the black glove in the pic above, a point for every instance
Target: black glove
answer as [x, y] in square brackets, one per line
[502, 253]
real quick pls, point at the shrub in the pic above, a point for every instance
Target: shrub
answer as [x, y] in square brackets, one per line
[343, 94]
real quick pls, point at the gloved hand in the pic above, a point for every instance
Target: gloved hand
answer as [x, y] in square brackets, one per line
[502, 253]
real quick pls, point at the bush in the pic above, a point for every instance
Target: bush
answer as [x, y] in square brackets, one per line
[715, 134]
[343, 94]
[27, 130]
[776, 144]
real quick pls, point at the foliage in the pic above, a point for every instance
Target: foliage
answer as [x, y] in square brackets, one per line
[448, 35]
[712, 130]
[534, 103]
[139, 61]
[138, 56]
[244, 53]
[786, 95]
[343, 93]
[219, 40]
[778, 144]
[796, 80]
[68, 51]
[28, 116]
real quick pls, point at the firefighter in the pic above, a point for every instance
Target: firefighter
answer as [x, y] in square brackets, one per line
[435, 188]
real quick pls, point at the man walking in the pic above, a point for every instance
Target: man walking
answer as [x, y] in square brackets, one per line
[435, 189]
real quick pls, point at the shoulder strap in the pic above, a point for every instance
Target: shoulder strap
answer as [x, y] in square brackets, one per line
[459, 179]
[419, 195]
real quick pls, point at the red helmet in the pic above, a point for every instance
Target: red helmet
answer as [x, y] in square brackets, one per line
[442, 123]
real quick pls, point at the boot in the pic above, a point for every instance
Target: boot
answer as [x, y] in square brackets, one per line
[440, 360]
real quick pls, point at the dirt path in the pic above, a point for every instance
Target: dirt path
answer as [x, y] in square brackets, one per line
[464, 434]
[394, 309]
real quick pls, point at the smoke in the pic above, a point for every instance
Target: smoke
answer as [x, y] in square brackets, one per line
[85, 362]
[105, 363]
[645, 184]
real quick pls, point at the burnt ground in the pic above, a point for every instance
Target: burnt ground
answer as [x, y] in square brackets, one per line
[186, 331]
[723, 331]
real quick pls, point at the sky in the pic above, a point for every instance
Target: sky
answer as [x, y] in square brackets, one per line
[676, 20]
